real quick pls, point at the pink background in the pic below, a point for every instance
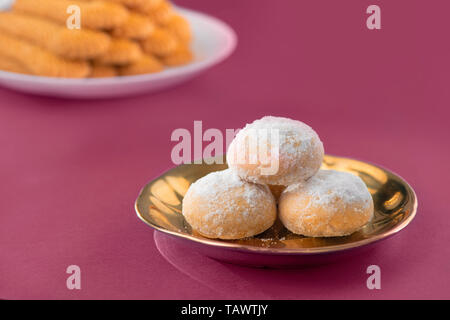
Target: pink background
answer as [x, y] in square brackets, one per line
[71, 170]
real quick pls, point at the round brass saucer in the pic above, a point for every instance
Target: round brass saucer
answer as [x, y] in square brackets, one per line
[159, 206]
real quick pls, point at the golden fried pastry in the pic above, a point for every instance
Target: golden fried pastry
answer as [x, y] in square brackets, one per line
[162, 13]
[94, 14]
[160, 43]
[39, 61]
[180, 27]
[131, 3]
[127, 3]
[137, 27]
[11, 65]
[102, 71]
[277, 151]
[71, 44]
[330, 204]
[146, 5]
[134, 4]
[221, 205]
[182, 55]
[146, 64]
[103, 47]
[121, 52]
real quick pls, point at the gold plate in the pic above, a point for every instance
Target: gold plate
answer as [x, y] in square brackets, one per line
[159, 206]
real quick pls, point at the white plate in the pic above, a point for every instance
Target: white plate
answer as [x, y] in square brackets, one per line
[5, 4]
[213, 42]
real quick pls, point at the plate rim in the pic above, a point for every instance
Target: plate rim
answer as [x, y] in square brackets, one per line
[223, 244]
[196, 66]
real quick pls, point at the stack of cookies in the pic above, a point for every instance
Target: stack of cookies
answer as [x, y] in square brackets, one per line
[274, 170]
[92, 38]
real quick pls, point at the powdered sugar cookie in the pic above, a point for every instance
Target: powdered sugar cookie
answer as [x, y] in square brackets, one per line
[330, 204]
[276, 151]
[221, 205]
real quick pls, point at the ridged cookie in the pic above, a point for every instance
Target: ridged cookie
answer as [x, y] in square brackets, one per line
[160, 43]
[94, 14]
[40, 61]
[121, 52]
[137, 27]
[10, 65]
[182, 55]
[102, 71]
[71, 44]
[180, 27]
[146, 64]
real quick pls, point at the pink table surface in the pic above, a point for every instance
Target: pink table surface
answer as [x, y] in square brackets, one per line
[71, 170]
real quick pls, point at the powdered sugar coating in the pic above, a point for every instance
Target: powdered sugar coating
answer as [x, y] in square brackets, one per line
[327, 186]
[331, 203]
[221, 205]
[300, 151]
